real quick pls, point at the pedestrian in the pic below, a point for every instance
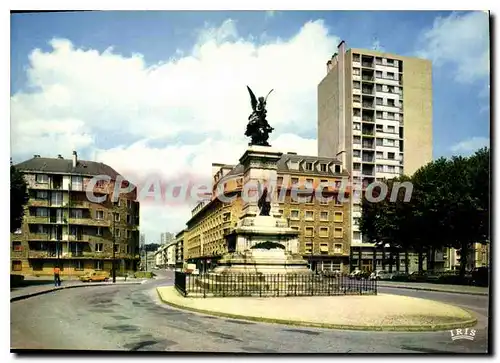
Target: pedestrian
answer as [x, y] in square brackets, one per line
[57, 278]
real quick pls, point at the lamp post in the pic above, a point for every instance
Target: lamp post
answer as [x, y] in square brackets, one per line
[114, 242]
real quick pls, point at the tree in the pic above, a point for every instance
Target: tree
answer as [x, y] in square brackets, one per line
[18, 198]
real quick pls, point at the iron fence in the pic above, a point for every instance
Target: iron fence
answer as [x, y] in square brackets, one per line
[270, 285]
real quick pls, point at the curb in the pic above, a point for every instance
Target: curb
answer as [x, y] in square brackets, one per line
[402, 328]
[433, 289]
[27, 296]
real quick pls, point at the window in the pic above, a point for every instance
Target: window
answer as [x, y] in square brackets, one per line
[355, 221]
[356, 166]
[279, 181]
[117, 217]
[98, 265]
[129, 218]
[390, 115]
[309, 232]
[338, 232]
[390, 102]
[42, 178]
[308, 247]
[42, 229]
[389, 142]
[356, 85]
[129, 234]
[294, 214]
[356, 139]
[98, 247]
[356, 112]
[390, 89]
[380, 142]
[295, 181]
[356, 126]
[390, 75]
[390, 62]
[380, 168]
[42, 194]
[356, 235]
[355, 57]
[379, 101]
[129, 204]
[378, 87]
[391, 168]
[16, 246]
[280, 211]
[323, 232]
[309, 215]
[378, 74]
[309, 166]
[356, 98]
[76, 183]
[378, 60]
[17, 265]
[322, 167]
[99, 214]
[116, 248]
[337, 248]
[294, 227]
[76, 213]
[98, 231]
[42, 212]
[310, 181]
[338, 217]
[127, 249]
[356, 153]
[323, 215]
[356, 71]
[380, 155]
[379, 127]
[78, 265]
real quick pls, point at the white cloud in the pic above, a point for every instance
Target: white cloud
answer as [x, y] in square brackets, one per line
[460, 41]
[77, 95]
[470, 145]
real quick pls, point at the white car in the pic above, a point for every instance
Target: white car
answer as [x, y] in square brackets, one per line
[381, 275]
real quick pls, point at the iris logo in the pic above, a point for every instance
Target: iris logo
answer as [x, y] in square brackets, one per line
[460, 334]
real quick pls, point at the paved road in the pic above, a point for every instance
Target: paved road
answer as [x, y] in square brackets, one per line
[132, 318]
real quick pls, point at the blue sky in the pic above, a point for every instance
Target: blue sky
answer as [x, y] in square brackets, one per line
[78, 96]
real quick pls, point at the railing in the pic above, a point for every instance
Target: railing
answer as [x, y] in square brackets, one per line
[270, 285]
[90, 222]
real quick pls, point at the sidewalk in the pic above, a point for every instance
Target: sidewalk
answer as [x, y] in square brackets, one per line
[424, 286]
[24, 292]
[372, 313]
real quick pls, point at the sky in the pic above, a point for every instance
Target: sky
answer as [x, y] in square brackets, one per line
[161, 95]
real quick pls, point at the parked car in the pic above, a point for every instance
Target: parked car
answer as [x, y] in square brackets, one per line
[95, 276]
[358, 274]
[381, 275]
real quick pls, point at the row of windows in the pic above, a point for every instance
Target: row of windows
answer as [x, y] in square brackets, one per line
[309, 215]
[356, 57]
[388, 155]
[323, 232]
[379, 141]
[385, 115]
[323, 248]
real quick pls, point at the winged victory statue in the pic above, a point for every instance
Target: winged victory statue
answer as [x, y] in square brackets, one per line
[258, 129]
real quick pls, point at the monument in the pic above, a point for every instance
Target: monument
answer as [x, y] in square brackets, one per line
[262, 243]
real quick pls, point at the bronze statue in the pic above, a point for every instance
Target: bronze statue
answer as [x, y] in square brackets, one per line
[258, 129]
[264, 204]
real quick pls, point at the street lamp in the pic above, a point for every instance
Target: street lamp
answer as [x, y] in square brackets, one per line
[114, 242]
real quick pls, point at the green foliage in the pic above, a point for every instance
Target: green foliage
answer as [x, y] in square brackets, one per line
[449, 207]
[18, 198]
[144, 275]
[267, 245]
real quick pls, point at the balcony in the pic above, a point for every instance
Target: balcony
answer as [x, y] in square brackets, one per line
[367, 91]
[368, 159]
[368, 78]
[44, 220]
[368, 105]
[368, 133]
[42, 254]
[367, 64]
[41, 237]
[19, 253]
[80, 254]
[77, 204]
[89, 222]
[367, 145]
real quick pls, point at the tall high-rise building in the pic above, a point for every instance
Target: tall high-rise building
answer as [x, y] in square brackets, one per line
[375, 114]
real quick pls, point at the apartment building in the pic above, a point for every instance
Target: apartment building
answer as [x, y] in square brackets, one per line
[324, 226]
[63, 227]
[179, 250]
[375, 115]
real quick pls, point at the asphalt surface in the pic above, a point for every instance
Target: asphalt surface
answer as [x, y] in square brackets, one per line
[132, 318]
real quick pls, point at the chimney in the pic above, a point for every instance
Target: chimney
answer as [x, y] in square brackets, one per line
[75, 159]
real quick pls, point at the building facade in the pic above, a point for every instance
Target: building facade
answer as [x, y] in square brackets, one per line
[180, 255]
[62, 227]
[324, 225]
[375, 114]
